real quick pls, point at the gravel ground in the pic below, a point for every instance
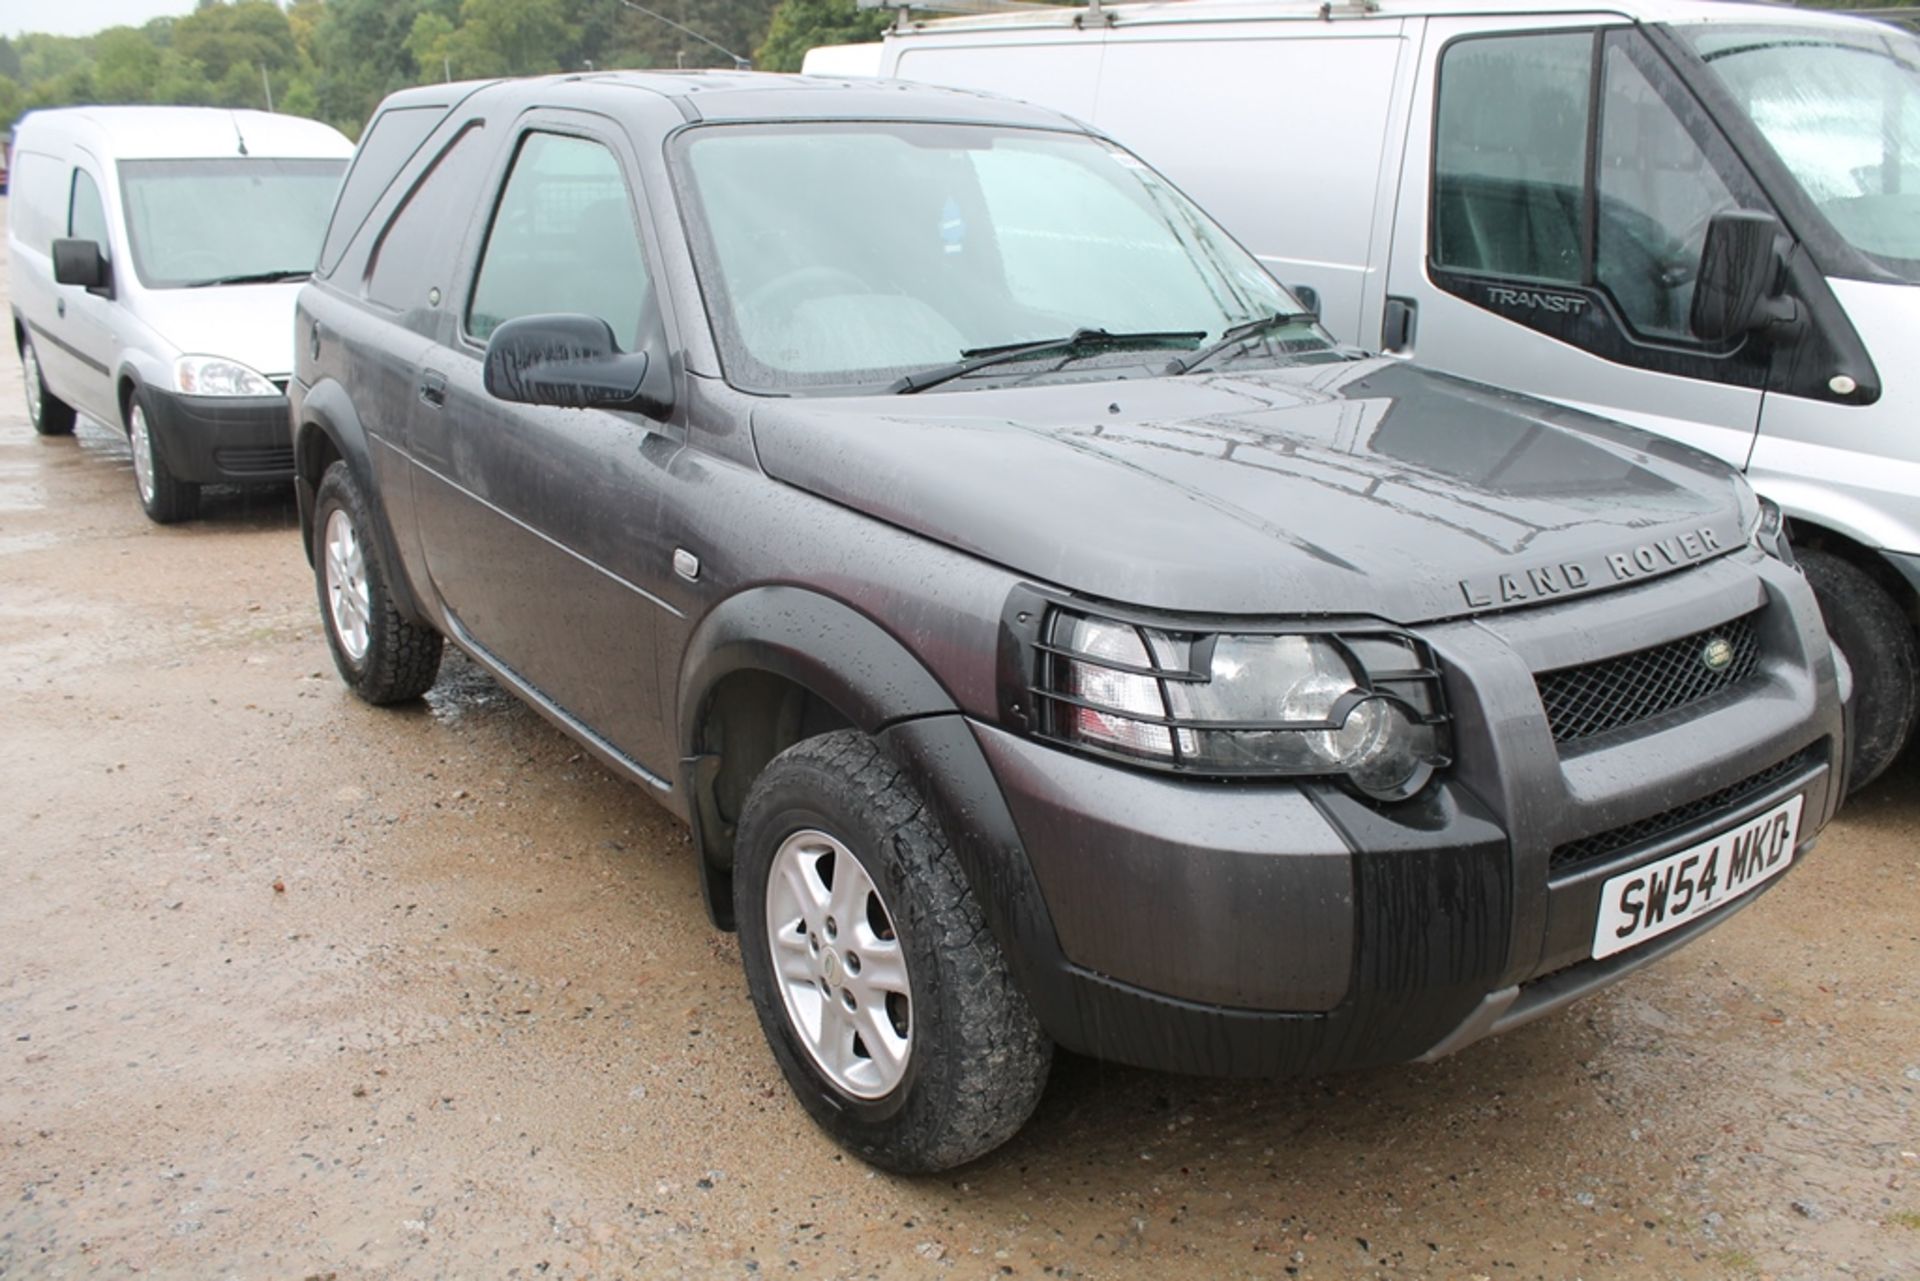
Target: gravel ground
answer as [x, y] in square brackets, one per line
[295, 988]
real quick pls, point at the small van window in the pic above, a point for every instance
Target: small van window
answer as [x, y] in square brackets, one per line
[1526, 190]
[87, 216]
[563, 240]
[414, 249]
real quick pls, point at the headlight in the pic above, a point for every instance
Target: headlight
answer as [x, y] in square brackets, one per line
[1769, 532]
[1364, 706]
[218, 376]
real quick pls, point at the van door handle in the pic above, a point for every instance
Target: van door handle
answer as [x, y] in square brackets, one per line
[1398, 325]
[433, 388]
[60, 308]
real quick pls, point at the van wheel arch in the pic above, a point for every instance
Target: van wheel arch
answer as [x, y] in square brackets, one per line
[1869, 609]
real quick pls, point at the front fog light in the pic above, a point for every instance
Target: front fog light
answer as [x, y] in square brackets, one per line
[218, 376]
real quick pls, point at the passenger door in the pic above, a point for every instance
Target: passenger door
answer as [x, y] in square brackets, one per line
[543, 528]
[83, 354]
[1550, 230]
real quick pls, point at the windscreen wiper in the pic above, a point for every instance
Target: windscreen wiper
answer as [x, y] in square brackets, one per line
[1081, 342]
[1240, 333]
[255, 277]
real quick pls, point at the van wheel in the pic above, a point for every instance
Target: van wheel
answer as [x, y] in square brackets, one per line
[166, 499]
[382, 656]
[50, 415]
[1874, 633]
[886, 1002]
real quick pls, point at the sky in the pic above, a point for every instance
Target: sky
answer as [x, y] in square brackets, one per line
[82, 17]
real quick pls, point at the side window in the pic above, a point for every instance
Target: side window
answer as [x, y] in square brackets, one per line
[1657, 194]
[87, 215]
[1510, 151]
[384, 150]
[413, 251]
[563, 239]
[1525, 189]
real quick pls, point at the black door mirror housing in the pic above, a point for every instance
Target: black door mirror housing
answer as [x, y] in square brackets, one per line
[80, 262]
[1742, 277]
[569, 361]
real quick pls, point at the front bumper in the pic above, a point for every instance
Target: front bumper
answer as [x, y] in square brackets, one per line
[1283, 929]
[220, 439]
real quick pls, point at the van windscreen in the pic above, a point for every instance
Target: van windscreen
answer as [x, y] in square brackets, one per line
[216, 221]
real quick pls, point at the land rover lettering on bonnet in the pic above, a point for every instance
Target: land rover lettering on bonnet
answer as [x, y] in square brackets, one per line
[1051, 637]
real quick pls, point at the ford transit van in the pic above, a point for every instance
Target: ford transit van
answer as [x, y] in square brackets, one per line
[154, 256]
[1700, 218]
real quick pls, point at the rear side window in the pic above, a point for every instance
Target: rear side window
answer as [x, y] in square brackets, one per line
[563, 240]
[413, 253]
[388, 144]
[87, 216]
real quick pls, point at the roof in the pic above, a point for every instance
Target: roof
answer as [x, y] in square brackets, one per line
[759, 95]
[1196, 11]
[173, 133]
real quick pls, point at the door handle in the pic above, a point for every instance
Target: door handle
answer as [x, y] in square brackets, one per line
[60, 308]
[1398, 325]
[433, 388]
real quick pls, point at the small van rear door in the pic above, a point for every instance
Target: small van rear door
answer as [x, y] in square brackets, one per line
[1555, 197]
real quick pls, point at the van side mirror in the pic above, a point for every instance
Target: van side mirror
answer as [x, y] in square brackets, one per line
[80, 262]
[569, 361]
[1740, 287]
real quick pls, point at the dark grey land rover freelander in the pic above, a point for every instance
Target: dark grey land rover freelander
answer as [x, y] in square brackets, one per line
[1050, 636]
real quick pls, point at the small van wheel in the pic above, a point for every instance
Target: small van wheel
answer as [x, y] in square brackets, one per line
[886, 1002]
[166, 499]
[383, 657]
[50, 415]
[1874, 633]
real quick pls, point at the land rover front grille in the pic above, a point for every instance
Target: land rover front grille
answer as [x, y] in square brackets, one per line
[1590, 849]
[1614, 692]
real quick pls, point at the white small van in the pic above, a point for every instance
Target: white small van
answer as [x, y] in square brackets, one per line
[1702, 218]
[154, 255]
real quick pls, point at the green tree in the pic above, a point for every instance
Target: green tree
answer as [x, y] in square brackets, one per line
[9, 60]
[13, 101]
[126, 66]
[800, 25]
[510, 37]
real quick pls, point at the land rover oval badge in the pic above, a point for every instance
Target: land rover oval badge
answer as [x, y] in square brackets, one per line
[1718, 655]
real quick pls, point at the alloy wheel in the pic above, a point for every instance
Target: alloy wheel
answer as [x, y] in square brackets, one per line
[349, 599]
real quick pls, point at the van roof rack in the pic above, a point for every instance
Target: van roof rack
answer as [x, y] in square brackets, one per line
[1093, 12]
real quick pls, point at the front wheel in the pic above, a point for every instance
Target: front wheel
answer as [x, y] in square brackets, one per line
[165, 498]
[50, 415]
[881, 991]
[381, 655]
[1875, 635]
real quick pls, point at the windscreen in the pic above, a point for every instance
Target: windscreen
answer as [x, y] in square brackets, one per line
[844, 255]
[1841, 106]
[199, 222]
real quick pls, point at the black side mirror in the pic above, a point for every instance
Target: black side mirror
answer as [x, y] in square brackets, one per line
[1742, 276]
[1309, 298]
[79, 262]
[569, 361]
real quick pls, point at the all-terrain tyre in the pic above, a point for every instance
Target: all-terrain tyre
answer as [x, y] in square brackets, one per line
[50, 415]
[382, 656]
[882, 993]
[1875, 634]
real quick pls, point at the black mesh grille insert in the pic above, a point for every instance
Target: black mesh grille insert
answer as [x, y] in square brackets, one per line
[1595, 698]
[255, 460]
[1590, 849]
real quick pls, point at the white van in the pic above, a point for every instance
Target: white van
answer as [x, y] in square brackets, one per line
[154, 255]
[1701, 218]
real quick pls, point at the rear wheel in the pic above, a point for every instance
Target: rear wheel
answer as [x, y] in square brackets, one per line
[164, 497]
[882, 993]
[382, 656]
[1876, 636]
[50, 415]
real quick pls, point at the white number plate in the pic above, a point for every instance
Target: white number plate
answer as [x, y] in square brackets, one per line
[1652, 899]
